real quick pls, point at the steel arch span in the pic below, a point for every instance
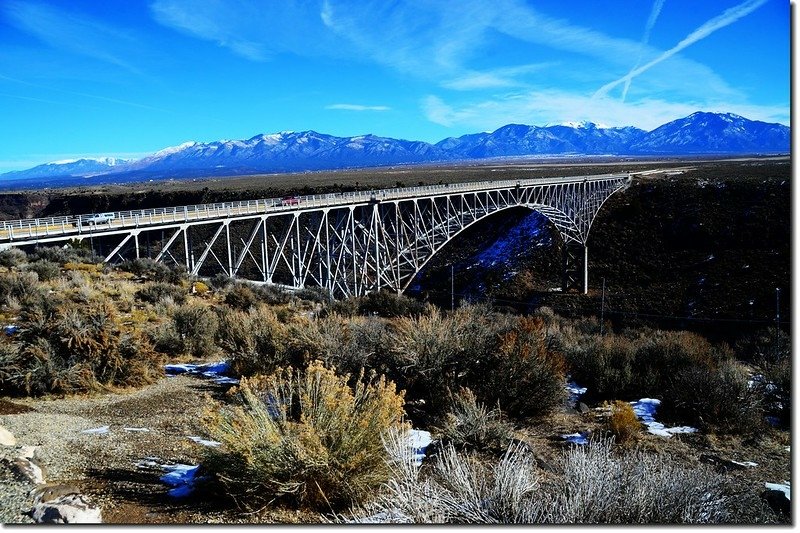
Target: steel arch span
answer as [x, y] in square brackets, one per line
[349, 244]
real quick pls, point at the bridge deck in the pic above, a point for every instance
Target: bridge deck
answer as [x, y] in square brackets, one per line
[57, 228]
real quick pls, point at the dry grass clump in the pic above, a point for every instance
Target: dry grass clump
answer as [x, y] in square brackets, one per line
[597, 487]
[623, 423]
[305, 436]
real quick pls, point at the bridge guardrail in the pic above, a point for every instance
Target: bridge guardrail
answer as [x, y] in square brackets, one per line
[22, 229]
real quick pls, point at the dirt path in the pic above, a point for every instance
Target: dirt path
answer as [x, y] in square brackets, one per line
[103, 465]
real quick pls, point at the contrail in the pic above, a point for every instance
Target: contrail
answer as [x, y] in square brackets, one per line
[651, 21]
[729, 16]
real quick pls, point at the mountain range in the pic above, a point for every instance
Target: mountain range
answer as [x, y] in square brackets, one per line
[698, 133]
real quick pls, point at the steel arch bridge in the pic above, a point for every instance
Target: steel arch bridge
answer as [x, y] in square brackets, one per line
[349, 244]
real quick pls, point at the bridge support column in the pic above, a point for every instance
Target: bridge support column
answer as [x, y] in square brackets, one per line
[575, 268]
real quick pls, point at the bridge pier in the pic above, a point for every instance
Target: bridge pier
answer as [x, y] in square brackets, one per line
[575, 268]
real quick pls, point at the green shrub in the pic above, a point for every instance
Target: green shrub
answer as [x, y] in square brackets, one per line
[303, 436]
[469, 424]
[155, 292]
[776, 388]
[272, 294]
[196, 326]
[12, 258]
[254, 341]
[45, 270]
[604, 365]
[383, 303]
[313, 294]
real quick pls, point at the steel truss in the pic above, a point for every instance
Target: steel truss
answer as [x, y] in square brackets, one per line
[369, 242]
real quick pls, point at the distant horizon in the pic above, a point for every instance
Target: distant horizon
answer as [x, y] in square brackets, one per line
[128, 156]
[82, 78]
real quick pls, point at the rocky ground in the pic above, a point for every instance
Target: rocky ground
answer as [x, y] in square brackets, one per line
[108, 469]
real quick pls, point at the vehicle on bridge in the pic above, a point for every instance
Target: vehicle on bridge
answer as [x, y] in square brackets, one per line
[99, 218]
[290, 200]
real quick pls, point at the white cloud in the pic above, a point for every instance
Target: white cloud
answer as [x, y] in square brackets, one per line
[495, 78]
[73, 33]
[728, 17]
[357, 107]
[551, 106]
[651, 21]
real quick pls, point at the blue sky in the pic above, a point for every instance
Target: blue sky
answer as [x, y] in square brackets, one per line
[125, 78]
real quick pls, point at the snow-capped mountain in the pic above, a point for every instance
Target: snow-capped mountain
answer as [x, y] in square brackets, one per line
[714, 133]
[699, 133]
[70, 167]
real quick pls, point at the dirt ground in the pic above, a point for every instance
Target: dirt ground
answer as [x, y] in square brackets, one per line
[104, 466]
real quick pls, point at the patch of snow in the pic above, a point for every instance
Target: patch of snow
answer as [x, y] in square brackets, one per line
[645, 410]
[784, 487]
[10, 329]
[138, 430]
[576, 438]
[213, 371]
[575, 391]
[181, 477]
[418, 441]
[746, 464]
[96, 431]
[204, 442]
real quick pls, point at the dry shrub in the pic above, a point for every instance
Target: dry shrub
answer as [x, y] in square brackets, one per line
[240, 297]
[77, 348]
[635, 488]
[718, 399]
[19, 285]
[12, 258]
[469, 424]
[623, 423]
[597, 487]
[254, 341]
[522, 374]
[155, 292]
[196, 326]
[45, 270]
[303, 436]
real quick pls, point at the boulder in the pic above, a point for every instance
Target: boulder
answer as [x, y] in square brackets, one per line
[27, 470]
[7, 438]
[778, 501]
[63, 504]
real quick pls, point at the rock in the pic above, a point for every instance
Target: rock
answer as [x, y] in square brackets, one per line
[777, 501]
[28, 470]
[7, 438]
[583, 408]
[63, 504]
